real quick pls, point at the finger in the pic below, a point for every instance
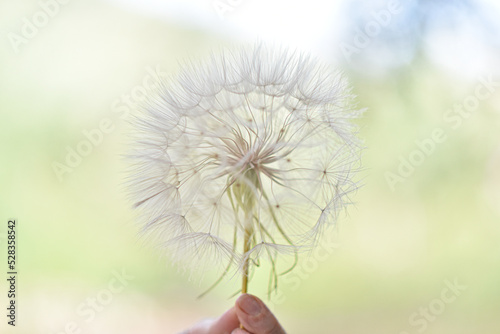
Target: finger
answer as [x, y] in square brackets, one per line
[226, 323]
[239, 331]
[256, 317]
[201, 327]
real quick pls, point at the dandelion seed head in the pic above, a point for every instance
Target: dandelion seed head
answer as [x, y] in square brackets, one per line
[260, 139]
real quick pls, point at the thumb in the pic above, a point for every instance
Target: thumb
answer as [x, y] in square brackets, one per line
[256, 317]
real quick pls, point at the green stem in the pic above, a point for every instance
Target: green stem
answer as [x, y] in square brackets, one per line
[246, 247]
[246, 264]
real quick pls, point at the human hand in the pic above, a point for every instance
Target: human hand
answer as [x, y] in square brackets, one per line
[249, 311]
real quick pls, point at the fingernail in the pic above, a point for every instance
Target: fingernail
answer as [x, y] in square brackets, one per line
[250, 305]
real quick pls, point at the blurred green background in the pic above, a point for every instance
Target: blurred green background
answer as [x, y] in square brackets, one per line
[395, 251]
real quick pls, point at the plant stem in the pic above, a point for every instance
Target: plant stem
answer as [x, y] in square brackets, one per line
[246, 248]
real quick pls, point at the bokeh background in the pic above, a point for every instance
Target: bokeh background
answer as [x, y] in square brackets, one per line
[415, 229]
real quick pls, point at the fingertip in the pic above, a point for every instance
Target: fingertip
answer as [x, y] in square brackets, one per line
[250, 304]
[255, 316]
[226, 323]
[239, 331]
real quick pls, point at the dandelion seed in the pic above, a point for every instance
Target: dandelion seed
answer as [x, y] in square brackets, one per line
[245, 157]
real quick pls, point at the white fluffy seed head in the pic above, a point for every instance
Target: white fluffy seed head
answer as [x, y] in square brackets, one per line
[258, 139]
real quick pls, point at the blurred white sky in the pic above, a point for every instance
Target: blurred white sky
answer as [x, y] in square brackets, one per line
[313, 25]
[302, 24]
